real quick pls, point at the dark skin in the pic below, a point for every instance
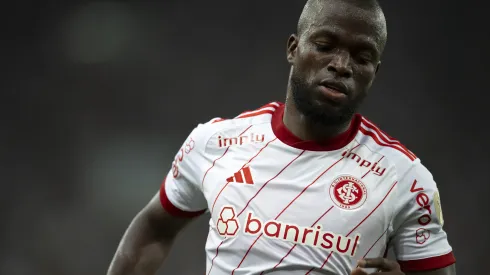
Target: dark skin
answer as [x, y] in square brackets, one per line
[147, 241]
[337, 46]
[340, 43]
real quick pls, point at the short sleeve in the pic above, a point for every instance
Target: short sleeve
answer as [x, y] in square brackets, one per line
[419, 240]
[181, 193]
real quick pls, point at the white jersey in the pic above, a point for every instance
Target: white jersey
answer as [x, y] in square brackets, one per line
[282, 205]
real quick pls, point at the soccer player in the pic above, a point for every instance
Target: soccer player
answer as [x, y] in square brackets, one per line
[305, 187]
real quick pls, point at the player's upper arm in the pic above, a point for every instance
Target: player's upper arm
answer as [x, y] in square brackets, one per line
[419, 241]
[164, 225]
[180, 197]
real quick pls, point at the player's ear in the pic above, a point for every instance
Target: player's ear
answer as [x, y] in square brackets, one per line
[291, 48]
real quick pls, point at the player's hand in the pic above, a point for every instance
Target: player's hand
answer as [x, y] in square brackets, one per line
[383, 265]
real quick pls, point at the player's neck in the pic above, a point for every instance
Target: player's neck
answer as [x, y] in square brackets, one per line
[306, 130]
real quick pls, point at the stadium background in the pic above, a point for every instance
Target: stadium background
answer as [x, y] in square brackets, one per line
[96, 97]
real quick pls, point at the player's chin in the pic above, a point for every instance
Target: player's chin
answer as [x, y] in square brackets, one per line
[330, 107]
[329, 115]
[337, 109]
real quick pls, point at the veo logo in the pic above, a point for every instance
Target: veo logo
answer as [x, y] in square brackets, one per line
[227, 223]
[422, 234]
[423, 201]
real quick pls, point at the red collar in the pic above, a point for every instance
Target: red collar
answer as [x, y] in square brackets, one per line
[335, 143]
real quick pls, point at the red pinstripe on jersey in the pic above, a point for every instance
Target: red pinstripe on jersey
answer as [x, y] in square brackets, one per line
[214, 162]
[369, 129]
[267, 182]
[290, 250]
[223, 188]
[217, 251]
[284, 168]
[359, 224]
[379, 160]
[287, 206]
[279, 145]
[369, 250]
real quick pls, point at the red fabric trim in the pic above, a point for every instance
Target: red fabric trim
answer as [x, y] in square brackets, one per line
[428, 263]
[338, 142]
[172, 209]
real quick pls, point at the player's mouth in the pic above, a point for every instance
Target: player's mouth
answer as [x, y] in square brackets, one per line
[336, 91]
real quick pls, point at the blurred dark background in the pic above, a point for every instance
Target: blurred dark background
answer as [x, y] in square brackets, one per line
[96, 97]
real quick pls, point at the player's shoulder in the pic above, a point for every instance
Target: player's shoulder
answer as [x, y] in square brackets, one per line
[391, 148]
[412, 175]
[236, 125]
[249, 117]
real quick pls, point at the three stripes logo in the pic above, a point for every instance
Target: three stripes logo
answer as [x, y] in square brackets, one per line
[242, 176]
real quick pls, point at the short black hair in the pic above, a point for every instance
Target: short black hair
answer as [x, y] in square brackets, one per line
[312, 7]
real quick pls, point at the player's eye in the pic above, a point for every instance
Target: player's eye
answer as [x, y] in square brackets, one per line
[365, 58]
[323, 46]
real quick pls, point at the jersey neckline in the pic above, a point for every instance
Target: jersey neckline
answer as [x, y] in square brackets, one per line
[335, 143]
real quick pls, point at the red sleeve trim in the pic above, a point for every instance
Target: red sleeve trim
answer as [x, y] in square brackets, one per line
[428, 263]
[172, 209]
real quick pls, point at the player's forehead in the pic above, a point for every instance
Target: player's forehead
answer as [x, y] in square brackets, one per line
[360, 25]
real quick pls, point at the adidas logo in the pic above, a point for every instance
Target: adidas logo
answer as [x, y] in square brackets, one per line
[242, 176]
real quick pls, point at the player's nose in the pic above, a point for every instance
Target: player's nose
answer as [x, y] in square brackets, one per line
[340, 64]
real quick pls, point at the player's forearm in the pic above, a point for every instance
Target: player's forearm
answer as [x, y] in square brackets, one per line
[142, 249]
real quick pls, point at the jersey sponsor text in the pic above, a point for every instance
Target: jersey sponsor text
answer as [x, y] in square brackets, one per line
[374, 167]
[289, 232]
[240, 140]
